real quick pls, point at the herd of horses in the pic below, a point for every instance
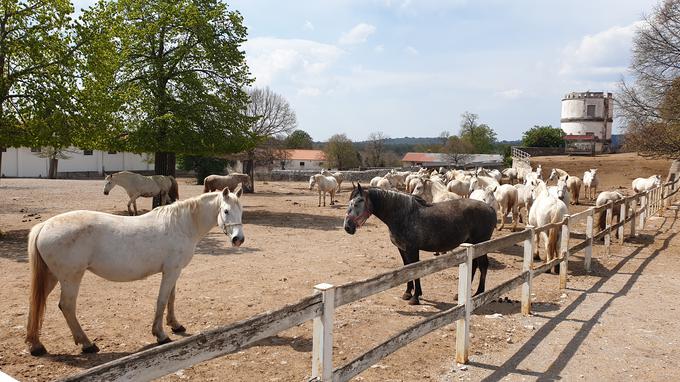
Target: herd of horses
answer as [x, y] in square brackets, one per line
[433, 211]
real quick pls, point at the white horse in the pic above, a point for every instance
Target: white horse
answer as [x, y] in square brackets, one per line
[339, 177]
[511, 174]
[460, 187]
[507, 197]
[561, 190]
[487, 196]
[433, 191]
[490, 173]
[147, 186]
[546, 209]
[122, 248]
[525, 199]
[325, 184]
[220, 182]
[590, 181]
[574, 183]
[645, 184]
[603, 198]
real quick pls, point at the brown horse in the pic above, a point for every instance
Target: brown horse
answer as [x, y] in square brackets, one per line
[416, 225]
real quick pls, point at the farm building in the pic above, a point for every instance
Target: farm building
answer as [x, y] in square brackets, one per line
[303, 160]
[587, 119]
[24, 162]
[294, 159]
[445, 160]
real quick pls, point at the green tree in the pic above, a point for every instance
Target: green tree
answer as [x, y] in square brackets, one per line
[166, 77]
[375, 150]
[480, 136]
[340, 153]
[457, 149]
[36, 57]
[298, 139]
[543, 136]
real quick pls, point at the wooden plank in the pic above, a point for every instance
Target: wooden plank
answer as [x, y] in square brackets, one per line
[581, 215]
[165, 359]
[600, 234]
[545, 267]
[617, 226]
[498, 291]
[579, 246]
[398, 341]
[500, 243]
[589, 237]
[548, 227]
[600, 208]
[356, 290]
[622, 221]
[464, 298]
[608, 236]
[564, 252]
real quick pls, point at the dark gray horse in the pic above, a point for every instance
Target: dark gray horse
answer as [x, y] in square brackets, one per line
[417, 225]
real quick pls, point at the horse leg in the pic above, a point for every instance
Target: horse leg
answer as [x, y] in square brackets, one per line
[504, 214]
[332, 192]
[67, 304]
[320, 198]
[134, 204]
[415, 300]
[409, 285]
[128, 205]
[170, 319]
[33, 339]
[168, 281]
[537, 256]
[483, 263]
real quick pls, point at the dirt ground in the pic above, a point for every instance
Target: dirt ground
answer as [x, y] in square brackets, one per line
[617, 322]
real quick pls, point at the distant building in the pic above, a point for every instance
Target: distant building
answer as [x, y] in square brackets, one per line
[303, 160]
[587, 119]
[445, 160]
[24, 162]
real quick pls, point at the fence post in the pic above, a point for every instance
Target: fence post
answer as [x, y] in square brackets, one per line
[526, 267]
[464, 297]
[564, 251]
[622, 218]
[608, 227]
[589, 237]
[322, 342]
[644, 208]
[633, 215]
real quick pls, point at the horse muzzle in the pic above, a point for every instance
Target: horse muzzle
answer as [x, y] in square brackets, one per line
[350, 226]
[106, 192]
[236, 241]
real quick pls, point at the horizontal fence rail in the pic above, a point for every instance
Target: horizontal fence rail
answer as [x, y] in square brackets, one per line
[320, 306]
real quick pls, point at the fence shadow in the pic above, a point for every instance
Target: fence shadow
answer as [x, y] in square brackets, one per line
[511, 366]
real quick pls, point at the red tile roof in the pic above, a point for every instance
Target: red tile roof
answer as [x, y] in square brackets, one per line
[421, 157]
[305, 155]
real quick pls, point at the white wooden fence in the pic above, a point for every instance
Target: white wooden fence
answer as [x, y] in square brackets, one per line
[320, 306]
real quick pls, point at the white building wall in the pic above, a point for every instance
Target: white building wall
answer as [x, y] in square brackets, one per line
[295, 164]
[22, 163]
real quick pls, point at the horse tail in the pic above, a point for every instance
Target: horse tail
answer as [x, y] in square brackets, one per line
[174, 189]
[38, 294]
[552, 243]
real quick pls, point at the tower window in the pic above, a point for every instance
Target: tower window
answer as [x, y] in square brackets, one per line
[590, 111]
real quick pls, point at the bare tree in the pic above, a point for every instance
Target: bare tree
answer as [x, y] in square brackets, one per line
[458, 150]
[649, 105]
[375, 149]
[274, 116]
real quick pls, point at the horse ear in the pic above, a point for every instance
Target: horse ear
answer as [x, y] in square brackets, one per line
[354, 186]
[566, 177]
[226, 191]
[239, 190]
[359, 188]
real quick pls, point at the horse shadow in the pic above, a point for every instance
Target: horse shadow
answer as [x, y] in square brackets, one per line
[87, 361]
[299, 344]
[292, 220]
[216, 245]
[13, 245]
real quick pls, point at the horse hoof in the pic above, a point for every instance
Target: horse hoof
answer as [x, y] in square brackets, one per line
[179, 329]
[91, 349]
[406, 296]
[414, 301]
[164, 341]
[37, 351]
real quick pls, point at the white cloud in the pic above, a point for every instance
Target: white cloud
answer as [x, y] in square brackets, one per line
[309, 91]
[379, 48]
[357, 35]
[308, 26]
[510, 93]
[411, 50]
[269, 58]
[603, 54]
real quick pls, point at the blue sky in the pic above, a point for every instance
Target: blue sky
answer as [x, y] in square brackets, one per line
[410, 68]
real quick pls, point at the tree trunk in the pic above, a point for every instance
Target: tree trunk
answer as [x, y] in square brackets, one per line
[164, 164]
[52, 171]
[249, 168]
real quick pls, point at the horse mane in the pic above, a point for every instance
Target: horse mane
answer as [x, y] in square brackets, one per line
[177, 208]
[391, 196]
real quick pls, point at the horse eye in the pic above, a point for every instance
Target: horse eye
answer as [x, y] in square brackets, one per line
[226, 212]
